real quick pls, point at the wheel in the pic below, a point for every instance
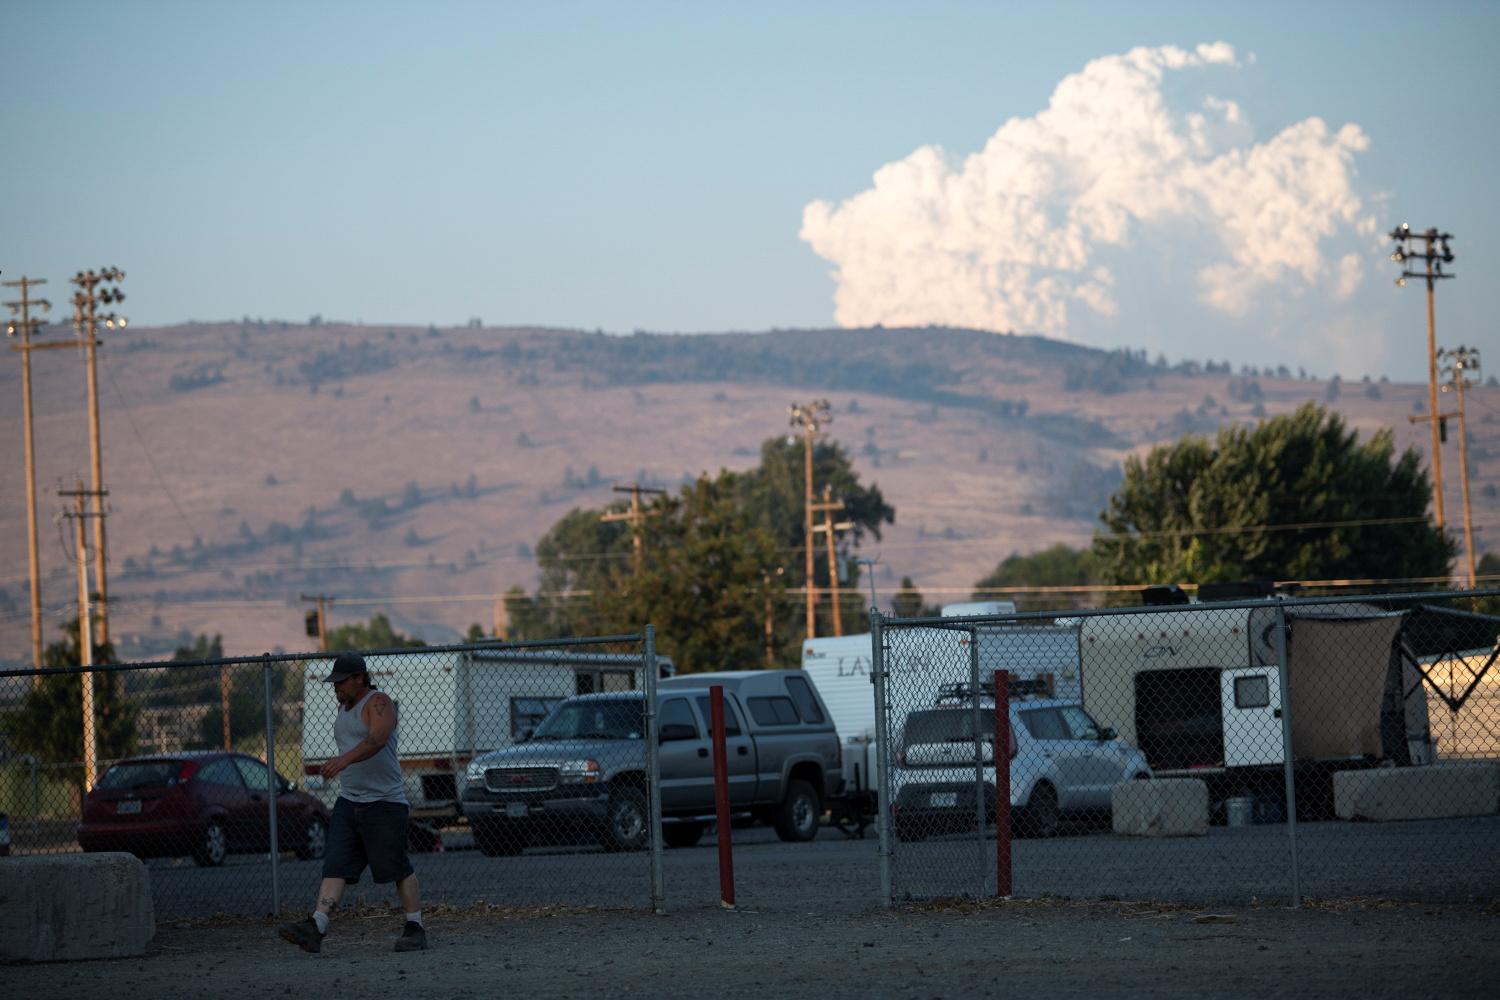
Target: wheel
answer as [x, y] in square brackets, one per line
[213, 846]
[681, 834]
[316, 841]
[494, 841]
[797, 819]
[1039, 818]
[626, 827]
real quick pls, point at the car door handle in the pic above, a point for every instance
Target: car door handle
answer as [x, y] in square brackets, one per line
[703, 751]
[744, 751]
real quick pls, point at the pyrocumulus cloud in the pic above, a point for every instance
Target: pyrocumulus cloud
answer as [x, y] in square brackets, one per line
[1037, 230]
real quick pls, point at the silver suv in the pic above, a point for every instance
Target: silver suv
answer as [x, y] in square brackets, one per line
[1061, 762]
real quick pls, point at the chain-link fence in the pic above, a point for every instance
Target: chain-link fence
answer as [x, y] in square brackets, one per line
[199, 767]
[1268, 749]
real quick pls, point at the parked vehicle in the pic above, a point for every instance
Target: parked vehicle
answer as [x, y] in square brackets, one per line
[1200, 693]
[582, 773]
[1061, 763]
[456, 705]
[920, 662]
[207, 805]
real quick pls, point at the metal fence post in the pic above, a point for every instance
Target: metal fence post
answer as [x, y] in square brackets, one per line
[979, 851]
[273, 790]
[653, 775]
[882, 755]
[1288, 774]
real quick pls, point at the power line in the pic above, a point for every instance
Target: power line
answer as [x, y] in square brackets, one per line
[150, 459]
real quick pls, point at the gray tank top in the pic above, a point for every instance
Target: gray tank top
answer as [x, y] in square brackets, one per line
[377, 779]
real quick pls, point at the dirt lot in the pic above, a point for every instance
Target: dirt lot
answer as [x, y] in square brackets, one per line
[1029, 948]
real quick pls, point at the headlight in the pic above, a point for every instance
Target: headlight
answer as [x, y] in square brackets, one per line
[586, 771]
[475, 772]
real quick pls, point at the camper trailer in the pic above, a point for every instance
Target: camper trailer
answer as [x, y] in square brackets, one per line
[1200, 693]
[456, 704]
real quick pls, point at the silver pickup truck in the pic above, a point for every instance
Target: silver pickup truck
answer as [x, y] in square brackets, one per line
[583, 770]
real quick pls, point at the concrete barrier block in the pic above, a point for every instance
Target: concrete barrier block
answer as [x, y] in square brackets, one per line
[1437, 791]
[1171, 807]
[63, 907]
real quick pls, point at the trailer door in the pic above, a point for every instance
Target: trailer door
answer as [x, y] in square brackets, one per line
[1252, 716]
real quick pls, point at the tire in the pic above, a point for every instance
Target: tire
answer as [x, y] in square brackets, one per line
[1040, 817]
[494, 841]
[797, 819]
[213, 845]
[626, 825]
[316, 842]
[681, 834]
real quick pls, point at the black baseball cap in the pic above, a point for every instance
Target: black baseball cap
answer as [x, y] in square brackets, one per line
[345, 666]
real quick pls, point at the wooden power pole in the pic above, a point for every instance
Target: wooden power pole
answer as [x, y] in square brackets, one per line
[829, 527]
[1462, 362]
[85, 632]
[23, 326]
[635, 515]
[86, 321]
[1436, 254]
[811, 418]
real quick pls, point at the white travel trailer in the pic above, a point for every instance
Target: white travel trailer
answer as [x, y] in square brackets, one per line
[1199, 692]
[456, 704]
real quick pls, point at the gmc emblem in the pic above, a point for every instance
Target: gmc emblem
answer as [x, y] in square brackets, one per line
[520, 779]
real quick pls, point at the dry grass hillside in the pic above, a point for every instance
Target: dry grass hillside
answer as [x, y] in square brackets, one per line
[409, 470]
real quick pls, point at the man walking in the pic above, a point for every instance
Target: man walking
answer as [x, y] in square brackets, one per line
[368, 828]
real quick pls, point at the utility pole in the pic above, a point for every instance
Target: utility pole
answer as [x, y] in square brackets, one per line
[635, 515]
[86, 320]
[1460, 362]
[24, 326]
[317, 621]
[827, 507]
[765, 577]
[85, 632]
[1435, 254]
[811, 418]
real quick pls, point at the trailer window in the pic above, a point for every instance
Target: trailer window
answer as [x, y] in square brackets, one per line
[1179, 717]
[807, 702]
[1252, 692]
[774, 711]
[527, 713]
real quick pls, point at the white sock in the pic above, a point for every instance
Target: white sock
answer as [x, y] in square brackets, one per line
[415, 918]
[321, 919]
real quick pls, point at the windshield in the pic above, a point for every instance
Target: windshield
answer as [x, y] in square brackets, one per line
[142, 774]
[616, 719]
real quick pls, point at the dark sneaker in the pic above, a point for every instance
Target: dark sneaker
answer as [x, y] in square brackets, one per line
[304, 934]
[413, 937]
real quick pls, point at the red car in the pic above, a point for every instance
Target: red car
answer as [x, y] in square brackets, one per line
[207, 805]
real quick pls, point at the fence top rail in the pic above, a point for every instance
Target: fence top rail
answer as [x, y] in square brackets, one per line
[968, 622]
[536, 647]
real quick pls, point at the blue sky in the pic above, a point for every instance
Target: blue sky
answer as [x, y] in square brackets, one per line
[624, 166]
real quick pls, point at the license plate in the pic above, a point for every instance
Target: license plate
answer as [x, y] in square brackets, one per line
[516, 810]
[943, 800]
[128, 806]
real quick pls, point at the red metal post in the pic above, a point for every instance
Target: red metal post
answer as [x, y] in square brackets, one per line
[721, 796]
[1002, 783]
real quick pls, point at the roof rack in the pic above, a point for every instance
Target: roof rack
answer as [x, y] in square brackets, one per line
[1019, 689]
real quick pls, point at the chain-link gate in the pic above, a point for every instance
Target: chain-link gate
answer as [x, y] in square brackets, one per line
[1231, 751]
[529, 770]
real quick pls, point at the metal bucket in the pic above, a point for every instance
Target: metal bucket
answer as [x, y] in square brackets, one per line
[1238, 811]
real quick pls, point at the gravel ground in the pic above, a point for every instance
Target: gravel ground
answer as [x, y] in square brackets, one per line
[1366, 949]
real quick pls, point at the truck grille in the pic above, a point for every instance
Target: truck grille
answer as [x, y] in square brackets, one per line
[520, 779]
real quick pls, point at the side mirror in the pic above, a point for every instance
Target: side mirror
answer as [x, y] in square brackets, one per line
[1106, 734]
